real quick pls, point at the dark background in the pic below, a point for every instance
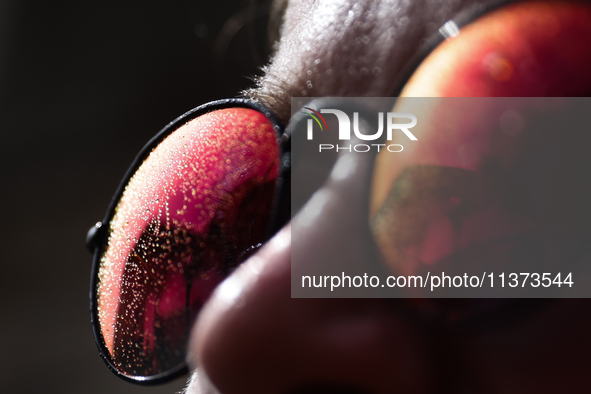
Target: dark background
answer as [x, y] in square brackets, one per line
[83, 86]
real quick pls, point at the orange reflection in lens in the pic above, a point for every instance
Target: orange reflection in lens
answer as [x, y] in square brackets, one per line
[491, 183]
[188, 216]
[535, 49]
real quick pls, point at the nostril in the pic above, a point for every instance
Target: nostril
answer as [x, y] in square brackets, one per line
[325, 388]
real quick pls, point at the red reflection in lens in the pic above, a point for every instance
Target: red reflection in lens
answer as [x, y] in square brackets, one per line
[491, 184]
[200, 200]
[528, 49]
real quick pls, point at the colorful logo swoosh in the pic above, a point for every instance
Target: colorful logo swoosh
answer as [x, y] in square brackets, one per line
[315, 115]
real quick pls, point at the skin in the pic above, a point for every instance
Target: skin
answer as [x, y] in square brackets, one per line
[252, 337]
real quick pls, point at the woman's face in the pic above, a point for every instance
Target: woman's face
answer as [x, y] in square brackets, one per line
[252, 337]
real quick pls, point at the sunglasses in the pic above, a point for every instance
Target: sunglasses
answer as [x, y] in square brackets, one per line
[200, 197]
[208, 190]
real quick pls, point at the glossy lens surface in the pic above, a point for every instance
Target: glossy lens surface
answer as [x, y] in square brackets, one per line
[196, 207]
[492, 184]
[527, 49]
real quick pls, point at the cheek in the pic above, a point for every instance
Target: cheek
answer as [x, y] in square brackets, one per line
[523, 50]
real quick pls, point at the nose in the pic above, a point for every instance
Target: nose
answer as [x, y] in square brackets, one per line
[252, 337]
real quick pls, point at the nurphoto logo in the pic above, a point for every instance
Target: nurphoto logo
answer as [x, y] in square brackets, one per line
[344, 122]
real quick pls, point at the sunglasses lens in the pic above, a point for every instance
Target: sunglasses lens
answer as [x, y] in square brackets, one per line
[196, 207]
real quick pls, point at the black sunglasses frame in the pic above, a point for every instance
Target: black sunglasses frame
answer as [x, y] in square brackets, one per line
[97, 236]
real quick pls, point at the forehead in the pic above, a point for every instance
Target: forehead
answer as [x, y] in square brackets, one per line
[347, 47]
